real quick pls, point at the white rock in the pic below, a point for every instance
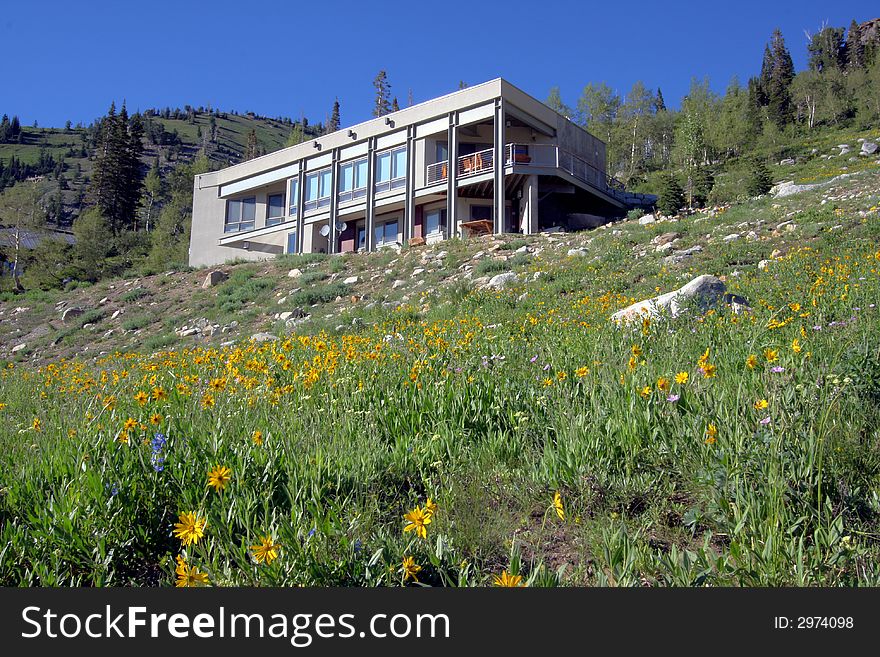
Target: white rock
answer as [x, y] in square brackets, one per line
[578, 253]
[502, 280]
[294, 273]
[763, 264]
[351, 280]
[19, 347]
[647, 219]
[705, 291]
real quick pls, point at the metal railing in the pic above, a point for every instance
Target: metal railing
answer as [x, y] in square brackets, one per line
[538, 155]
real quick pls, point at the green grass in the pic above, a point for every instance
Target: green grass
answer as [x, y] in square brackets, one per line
[488, 403]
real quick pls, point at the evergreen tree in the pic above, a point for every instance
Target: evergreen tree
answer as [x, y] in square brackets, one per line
[554, 102]
[826, 49]
[855, 49]
[777, 72]
[701, 183]
[760, 182]
[333, 123]
[671, 198]
[659, 103]
[382, 104]
[117, 178]
[395, 107]
[250, 151]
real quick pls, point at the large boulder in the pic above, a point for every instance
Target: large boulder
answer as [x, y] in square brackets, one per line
[703, 292]
[215, 278]
[71, 313]
[869, 148]
[502, 280]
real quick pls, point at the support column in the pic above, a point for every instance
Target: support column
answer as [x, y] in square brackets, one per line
[333, 236]
[529, 202]
[409, 206]
[452, 177]
[498, 161]
[369, 218]
[300, 200]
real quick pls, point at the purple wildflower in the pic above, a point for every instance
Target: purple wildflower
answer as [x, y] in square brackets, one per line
[673, 398]
[777, 369]
[533, 358]
[765, 421]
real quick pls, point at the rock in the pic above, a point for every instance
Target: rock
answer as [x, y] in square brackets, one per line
[730, 238]
[763, 265]
[351, 280]
[418, 271]
[704, 291]
[215, 278]
[482, 280]
[776, 253]
[664, 248]
[786, 161]
[116, 313]
[502, 280]
[103, 301]
[263, 337]
[522, 249]
[646, 219]
[185, 332]
[71, 313]
[665, 238]
[417, 241]
[397, 284]
[869, 148]
[788, 188]
[294, 273]
[578, 253]
[88, 326]
[441, 255]
[19, 347]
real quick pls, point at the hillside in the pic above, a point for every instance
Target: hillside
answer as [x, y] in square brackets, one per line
[451, 413]
[168, 140]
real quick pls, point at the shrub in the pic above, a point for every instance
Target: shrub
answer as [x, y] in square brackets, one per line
[759, 182]
[635, 214]
[671, 196]
[318, 294]
[491, 267]
[137, 322]
[134, 295]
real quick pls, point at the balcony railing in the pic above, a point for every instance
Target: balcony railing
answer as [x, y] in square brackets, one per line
[538, 155]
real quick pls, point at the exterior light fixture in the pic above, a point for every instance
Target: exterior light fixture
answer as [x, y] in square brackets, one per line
[351, 134]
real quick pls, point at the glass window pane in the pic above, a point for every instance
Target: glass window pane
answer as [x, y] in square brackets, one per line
[294, 194]
[399, 163]
[442, 151]
[248, 209]
[383, 167]
[325, 183]
[391, 231]
[233, 211]
[346, 178]
[379, 234]
[432, 222]
[311, 187]
[360, 177]
[276, 205]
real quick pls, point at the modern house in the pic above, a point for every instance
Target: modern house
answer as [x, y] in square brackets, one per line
[488, 158]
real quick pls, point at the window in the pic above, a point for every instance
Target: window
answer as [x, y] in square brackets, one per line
[353, 180]
[240, 214]
[435, 222]
[442, 152]
[386, 233]
[361, 238]
[318, 189]
[293, 196]
[274, 209]
[391, 169]
[291, 242]
[481, 212]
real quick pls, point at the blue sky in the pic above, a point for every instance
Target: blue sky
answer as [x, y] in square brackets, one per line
[67, 60]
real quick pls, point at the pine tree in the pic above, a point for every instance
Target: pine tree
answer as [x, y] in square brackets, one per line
[827, 50]
[554, 102]
[659, 103]
[855, 49]
[760, 182]
[333, 123]
[382, 105]
[671, 196]
[250, 151]
[777, 72]
[395, 107]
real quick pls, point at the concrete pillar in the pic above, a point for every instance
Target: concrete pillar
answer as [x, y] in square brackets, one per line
[409, 206]
[498, 160]
[529, 204]
[332, 237]
[370, 215]
[452, 177]
[300, 200]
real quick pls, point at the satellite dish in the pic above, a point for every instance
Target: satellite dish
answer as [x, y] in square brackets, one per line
[341, 225]
[325, 230]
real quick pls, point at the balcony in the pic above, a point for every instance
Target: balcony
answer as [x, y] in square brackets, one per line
[531, 155]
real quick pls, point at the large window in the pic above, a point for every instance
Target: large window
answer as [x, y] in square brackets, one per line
[274, 209]
[353, 180]
[240, 214]
[391, 169]
[435, 222]
[386, 233]
[293, 196]
[291, 242]
[481, 212]
[361, 237]
[318, 189]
